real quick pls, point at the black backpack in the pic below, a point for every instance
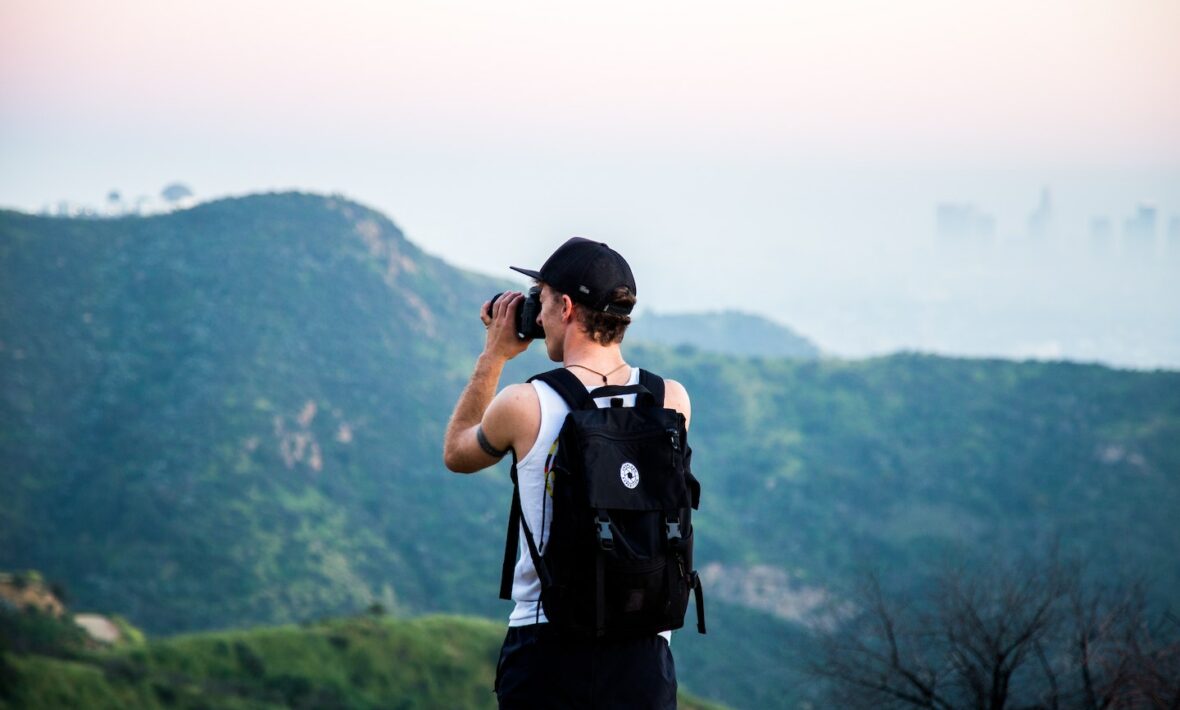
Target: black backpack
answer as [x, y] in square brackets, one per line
[618, 559]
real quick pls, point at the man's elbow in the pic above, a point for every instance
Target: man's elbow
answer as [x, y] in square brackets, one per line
[456, 463]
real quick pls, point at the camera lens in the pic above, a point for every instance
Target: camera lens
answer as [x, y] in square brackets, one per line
[491, 303]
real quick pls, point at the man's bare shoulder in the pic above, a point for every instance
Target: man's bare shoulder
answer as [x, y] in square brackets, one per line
[676, 397]
[514, 400]
[513, 417]
[515, 412]
[675, 392]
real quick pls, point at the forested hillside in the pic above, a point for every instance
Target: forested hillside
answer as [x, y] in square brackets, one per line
[232, 415]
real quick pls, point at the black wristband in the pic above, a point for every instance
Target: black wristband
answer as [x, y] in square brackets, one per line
[487, 445]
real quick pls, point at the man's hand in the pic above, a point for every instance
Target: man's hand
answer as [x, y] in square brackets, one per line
[516, 409]
[502, 342]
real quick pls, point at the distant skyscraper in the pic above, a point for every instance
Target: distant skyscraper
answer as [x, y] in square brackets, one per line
[1139, 232]
[1101, 235]
[961, 223]
[1040, 220]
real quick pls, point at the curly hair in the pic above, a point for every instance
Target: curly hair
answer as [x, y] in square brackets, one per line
[606, 328]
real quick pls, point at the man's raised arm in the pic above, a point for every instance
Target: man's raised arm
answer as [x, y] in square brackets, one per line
[481, 429]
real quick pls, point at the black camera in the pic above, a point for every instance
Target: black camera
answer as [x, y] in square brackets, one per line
[527, 326]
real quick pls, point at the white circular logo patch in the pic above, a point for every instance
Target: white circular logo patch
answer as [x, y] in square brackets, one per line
[629, 474]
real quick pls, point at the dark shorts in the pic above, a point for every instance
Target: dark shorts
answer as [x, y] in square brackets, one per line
[539, 669]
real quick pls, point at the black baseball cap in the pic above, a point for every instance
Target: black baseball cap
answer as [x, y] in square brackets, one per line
[588, 272]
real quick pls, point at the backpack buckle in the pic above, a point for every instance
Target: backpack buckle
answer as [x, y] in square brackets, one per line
[674, 530]
[606, 539]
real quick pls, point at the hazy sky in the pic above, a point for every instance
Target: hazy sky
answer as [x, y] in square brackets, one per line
[776, 155]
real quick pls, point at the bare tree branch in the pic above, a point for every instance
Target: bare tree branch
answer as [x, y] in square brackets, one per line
[1012, 637]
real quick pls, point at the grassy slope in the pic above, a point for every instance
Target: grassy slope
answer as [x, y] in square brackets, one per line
[429, 662]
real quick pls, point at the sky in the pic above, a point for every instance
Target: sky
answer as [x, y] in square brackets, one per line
[783, 158]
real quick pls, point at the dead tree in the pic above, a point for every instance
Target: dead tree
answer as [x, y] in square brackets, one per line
[1027, 637]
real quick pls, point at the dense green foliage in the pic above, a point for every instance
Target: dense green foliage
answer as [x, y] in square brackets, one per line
[33, 632]
[232, 415]
[728, 332]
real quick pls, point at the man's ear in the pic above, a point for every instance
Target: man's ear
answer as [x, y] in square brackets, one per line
[567, 308]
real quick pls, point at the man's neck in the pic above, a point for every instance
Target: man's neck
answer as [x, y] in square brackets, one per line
[592, 361]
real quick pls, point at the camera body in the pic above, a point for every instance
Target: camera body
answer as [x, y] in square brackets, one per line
[527, 327]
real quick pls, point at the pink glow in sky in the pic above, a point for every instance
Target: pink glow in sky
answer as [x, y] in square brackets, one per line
[1058, 81]
[813, 140]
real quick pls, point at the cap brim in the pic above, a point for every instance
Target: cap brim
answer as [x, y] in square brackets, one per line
[527, 272]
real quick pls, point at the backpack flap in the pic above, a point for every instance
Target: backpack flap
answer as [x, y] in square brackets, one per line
[630, 458]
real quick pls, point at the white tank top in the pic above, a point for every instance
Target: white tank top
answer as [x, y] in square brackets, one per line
[536, 505]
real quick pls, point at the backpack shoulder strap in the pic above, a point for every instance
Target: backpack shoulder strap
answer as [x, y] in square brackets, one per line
[576, 396]
[511, 540]
[567, 384]
[575, 393]
[516, 521]
[654, 384]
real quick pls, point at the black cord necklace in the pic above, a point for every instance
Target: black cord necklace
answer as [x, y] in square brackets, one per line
[600, 374]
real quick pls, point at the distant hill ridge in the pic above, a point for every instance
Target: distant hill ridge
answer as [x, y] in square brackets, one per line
[232, 415]
[729, 332]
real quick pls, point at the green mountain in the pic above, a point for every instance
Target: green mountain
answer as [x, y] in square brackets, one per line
[726, 332]
[232, 415]
[239, 406]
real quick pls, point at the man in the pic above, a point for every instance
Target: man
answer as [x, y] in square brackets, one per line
[587, 293]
